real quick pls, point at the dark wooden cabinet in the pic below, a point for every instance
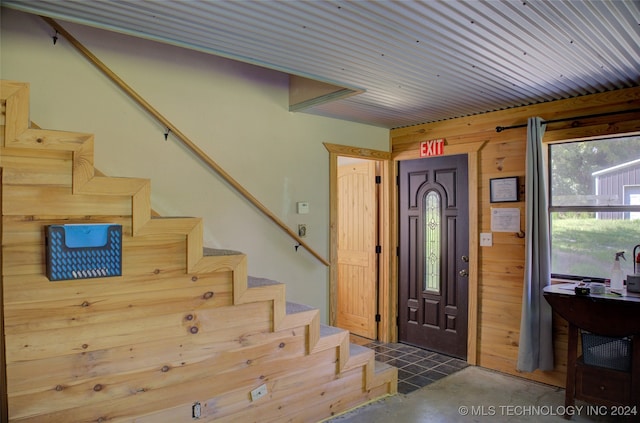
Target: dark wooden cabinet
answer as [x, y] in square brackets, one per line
[604, 315]
[601, 385]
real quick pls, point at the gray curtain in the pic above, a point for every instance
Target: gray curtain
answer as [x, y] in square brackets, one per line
[536, 345]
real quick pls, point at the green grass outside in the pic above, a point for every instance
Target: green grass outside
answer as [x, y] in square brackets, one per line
[586, 246]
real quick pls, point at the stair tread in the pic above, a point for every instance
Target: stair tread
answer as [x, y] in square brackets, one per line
[355, 349]
[382, 366]
[218, 252]
[254, 282]
[293, 308]
[326, 330]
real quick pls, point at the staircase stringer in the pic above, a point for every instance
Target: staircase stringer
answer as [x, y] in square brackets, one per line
[83, 169]
[243, 294]
[275, 293]
[83, 178]
[310, 319]
[85, 181]
[191, 227]
[141, 212]
[343, 343]
[16, 96]
[372, 380]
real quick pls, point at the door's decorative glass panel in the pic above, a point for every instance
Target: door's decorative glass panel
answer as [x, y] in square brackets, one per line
[432, 236]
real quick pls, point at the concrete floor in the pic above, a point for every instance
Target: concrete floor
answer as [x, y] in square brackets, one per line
[474, 394]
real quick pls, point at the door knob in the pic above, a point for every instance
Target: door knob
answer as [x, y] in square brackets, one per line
[464, 273]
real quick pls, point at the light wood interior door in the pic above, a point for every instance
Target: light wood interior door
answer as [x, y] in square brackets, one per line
[357, 240]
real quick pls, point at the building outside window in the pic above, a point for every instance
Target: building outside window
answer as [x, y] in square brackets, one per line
[594, 206]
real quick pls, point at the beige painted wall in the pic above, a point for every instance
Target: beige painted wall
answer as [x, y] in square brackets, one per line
[237, 113]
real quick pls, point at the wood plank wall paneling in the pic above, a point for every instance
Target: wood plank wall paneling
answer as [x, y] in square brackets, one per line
[4, 406]
[501, 266]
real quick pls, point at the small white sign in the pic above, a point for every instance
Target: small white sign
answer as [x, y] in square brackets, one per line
[303, 207]
[505, 220]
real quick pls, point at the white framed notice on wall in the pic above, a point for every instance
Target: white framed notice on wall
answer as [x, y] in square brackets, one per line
[505, 219]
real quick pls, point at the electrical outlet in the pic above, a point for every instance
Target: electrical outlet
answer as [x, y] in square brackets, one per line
[302, 230]
[259, 392]
[486, 239]
[196, 411]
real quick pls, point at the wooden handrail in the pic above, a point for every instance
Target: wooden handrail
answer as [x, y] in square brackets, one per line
[182, 137]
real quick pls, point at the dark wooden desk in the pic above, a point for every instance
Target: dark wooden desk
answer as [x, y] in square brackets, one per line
[605, 315]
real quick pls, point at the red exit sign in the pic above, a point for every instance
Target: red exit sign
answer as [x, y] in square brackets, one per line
[432, 148]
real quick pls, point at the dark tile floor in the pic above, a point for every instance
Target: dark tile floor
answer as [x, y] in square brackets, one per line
[416, 367]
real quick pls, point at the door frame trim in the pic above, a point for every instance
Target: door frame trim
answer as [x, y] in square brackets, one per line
[387, 297]
[472, 151]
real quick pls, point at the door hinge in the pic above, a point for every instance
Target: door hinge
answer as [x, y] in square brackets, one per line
[397, 251]
[378, 249]
[378, 179]
[377, 317]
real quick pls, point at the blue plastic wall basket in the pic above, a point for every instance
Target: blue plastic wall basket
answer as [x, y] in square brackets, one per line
[83, 251]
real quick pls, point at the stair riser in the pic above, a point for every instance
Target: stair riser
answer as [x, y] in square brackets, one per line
[232, 367]
[28, 167]
[91, 308]
[48, 201]
[166, 285]
[142, 255]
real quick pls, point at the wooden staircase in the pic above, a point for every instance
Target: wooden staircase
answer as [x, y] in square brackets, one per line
[183, 329]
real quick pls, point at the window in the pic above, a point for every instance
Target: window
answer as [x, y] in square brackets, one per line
[432, 236]
[594, 206]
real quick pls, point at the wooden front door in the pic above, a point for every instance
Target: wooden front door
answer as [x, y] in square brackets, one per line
[433, 254]
[357, 239]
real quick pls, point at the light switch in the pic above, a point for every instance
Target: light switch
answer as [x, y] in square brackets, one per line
[486, 239]
[303, 207]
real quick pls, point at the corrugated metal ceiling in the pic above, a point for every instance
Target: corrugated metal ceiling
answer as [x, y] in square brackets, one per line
[418, 61]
